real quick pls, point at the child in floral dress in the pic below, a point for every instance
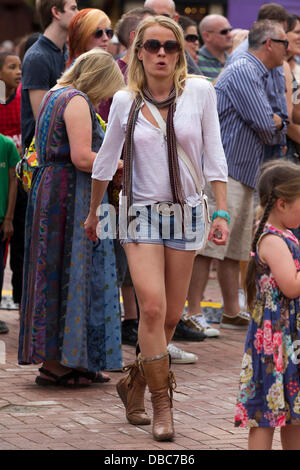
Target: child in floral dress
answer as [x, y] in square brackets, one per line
[269, 393]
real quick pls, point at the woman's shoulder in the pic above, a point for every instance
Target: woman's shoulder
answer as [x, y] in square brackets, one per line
[199, 90]
[69, 98]
[198, 82]
[67, 93]
[70, 92]
[123, 97]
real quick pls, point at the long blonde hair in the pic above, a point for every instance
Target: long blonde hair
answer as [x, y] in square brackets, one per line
[96, 74]
[136, 74]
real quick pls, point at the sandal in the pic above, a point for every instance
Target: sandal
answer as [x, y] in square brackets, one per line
[95, 377]
[61, 380]
[3, 328]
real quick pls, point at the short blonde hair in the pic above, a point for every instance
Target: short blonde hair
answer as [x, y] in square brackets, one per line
[136, 73]
[96, 74]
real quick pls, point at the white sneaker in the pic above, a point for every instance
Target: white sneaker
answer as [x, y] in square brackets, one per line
[7, 303]
[242, 300]
[178, 356]
[200, 321]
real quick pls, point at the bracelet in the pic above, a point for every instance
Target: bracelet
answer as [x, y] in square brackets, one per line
[223, 214]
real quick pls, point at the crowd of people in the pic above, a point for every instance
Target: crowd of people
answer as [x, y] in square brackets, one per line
[165, 149]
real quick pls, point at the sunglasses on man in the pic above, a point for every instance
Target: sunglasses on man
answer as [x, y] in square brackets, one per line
[99, 33]
[223, 32]
[285, 42]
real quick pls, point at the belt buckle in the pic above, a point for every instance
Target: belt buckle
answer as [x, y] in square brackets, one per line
[165, 208]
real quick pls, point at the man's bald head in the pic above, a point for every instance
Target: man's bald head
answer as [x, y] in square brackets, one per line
[210, 22]
[216, 34]
[162, 7]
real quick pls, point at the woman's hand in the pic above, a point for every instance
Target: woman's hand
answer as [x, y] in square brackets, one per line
[90, 227]
[92, 221]
[7, 229]
[219, 231]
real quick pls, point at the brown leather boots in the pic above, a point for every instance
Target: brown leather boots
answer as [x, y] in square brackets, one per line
[161, 382]
[131, 390]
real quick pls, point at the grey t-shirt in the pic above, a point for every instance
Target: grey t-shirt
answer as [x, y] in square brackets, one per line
[43, 64]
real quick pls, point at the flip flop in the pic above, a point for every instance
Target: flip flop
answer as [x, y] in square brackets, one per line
[3, 328]
[95, 377]
[61, 380]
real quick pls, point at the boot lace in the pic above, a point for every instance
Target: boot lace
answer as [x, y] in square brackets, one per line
[133, 370]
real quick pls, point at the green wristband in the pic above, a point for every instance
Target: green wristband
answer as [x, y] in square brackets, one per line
[222, 214]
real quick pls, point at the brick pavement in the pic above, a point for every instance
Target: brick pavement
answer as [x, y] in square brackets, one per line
[37, 418]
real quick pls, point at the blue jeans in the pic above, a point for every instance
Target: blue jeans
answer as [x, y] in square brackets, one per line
[150, 226]
[272, 152]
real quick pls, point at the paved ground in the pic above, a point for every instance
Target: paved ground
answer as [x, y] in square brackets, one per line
[36, 418]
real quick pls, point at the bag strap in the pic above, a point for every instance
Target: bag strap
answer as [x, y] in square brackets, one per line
[181, 153]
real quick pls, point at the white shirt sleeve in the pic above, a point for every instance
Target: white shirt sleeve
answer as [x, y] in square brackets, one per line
[215, 164]
[106, 161]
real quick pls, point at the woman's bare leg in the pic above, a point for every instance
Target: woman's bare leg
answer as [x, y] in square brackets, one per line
[178, 271]
[147, 268]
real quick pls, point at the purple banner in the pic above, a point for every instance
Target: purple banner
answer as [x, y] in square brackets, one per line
[243, 13]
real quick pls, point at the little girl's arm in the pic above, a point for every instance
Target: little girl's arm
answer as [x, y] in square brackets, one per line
[274, 252]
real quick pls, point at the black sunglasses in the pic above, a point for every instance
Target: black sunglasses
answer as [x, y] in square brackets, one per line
[191, 37]
[223, 31]
[153, 46]
[99, 33]
[285, 42]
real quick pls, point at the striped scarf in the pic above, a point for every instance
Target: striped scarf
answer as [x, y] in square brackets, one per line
[174, 173]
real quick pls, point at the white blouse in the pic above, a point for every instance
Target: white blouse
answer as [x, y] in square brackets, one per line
[197, 130]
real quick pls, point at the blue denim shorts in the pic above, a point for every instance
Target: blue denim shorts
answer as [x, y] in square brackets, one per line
[159, 224]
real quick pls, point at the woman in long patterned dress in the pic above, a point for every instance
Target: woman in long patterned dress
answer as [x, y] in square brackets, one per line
[269, 394]
[60, 325]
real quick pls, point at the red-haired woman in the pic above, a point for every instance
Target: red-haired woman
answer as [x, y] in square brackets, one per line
[89, 28]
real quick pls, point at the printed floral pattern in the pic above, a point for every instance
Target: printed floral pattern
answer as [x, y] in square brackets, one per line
[269, 391]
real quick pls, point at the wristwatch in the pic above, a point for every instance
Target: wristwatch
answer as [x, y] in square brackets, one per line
[221, 213]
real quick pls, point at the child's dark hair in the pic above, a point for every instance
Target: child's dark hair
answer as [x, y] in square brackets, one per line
[278, 179]
[3, 56]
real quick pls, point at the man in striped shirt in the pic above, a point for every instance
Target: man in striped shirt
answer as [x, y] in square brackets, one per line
[216, 35]
[246, 118]
[276, 81]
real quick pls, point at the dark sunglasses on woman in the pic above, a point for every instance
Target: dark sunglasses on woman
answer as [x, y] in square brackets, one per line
[191, 37]
[99, 33]
[153, 46]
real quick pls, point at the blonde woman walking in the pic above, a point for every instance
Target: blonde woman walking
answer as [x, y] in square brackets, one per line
[156, 183]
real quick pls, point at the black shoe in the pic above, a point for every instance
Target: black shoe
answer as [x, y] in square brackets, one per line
[130, 332]
[3, 328]
[184, 333]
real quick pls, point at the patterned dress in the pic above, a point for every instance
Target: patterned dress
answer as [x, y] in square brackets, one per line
[269, 394]
[70, 303]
